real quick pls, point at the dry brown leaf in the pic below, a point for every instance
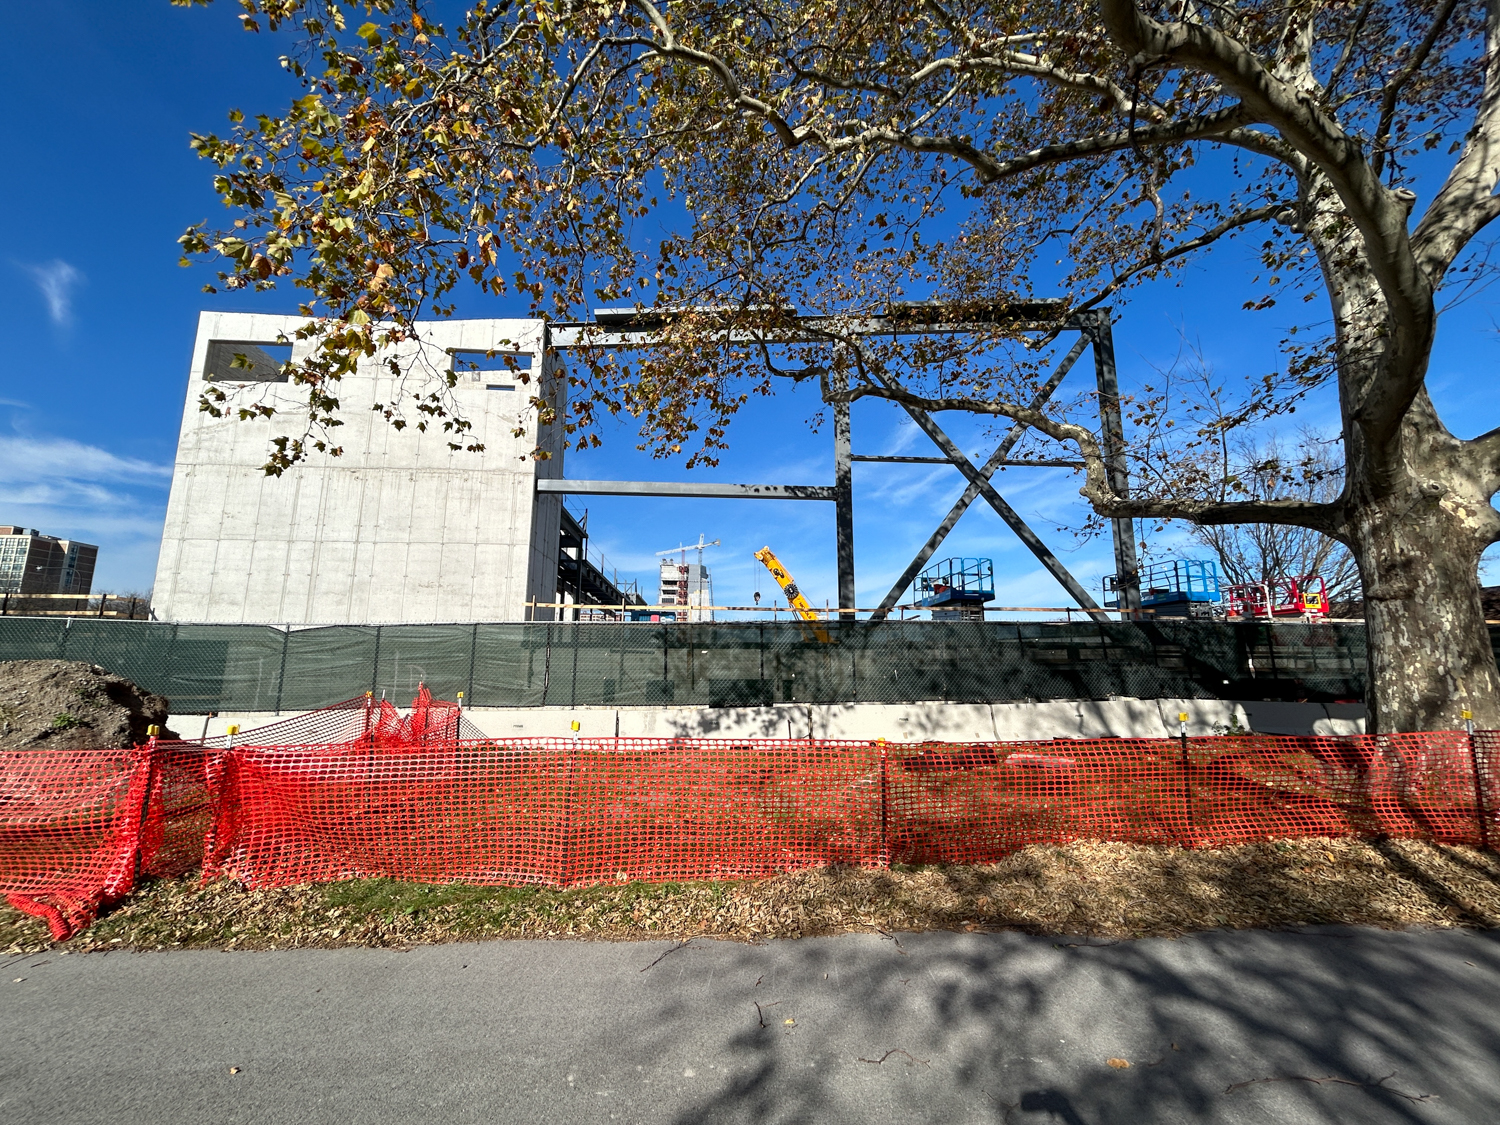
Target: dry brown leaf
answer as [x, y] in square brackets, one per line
[1087, 887]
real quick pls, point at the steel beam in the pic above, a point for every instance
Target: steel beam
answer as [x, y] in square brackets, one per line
[653, 330]
[1011, 517]
[1008, 463]
[685, 488]
[934, 541]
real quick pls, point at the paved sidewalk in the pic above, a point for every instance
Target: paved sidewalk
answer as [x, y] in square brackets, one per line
[862, 1029]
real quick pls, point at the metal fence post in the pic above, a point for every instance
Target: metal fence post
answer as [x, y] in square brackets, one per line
[1187, 769]
[473, 655]
[1479, 803]
[885, 831]
[547, 666]
[152, 733]
[286, 637]
[565, 869]
[573, 685]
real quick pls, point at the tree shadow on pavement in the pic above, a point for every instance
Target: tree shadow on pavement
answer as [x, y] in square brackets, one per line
[1321, 1026]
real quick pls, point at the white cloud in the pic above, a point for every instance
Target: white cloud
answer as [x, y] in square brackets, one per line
[57, 280]
[49, 460]
[70, 489]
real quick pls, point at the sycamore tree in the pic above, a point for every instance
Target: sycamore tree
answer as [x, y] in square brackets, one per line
[734, 161]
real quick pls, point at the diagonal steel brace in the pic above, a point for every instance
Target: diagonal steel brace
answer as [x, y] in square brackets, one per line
[971, 493]
[980, 482]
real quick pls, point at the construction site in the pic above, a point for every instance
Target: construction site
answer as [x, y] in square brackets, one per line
[403, 562]
[745, 564]
[409, 662]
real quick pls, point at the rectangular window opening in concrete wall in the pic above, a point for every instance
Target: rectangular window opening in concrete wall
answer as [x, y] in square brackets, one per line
[498, 371]
[246, 361]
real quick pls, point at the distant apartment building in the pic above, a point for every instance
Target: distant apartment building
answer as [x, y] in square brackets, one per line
[689, 585]
[33, 563]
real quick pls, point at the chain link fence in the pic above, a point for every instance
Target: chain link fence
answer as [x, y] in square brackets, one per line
[203, 668]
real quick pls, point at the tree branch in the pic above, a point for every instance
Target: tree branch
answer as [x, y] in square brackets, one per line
[1207, 238]
[1191, 128]
[1466, 203]
[1327, 518]
[982, 54]
[1378, 214]
[1484, 453]
[1348, 53]
[1392, 92]
[669, 47]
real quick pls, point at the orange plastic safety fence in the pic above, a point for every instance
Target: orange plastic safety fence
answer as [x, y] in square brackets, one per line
[362, 717]
[973, 804]
[70, 830]
[564, 812]
[401, 798]
[78, 826]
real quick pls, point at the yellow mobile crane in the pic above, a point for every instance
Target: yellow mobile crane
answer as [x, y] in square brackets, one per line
[794, 599]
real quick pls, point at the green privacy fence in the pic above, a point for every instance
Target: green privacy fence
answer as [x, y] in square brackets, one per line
[203, 668]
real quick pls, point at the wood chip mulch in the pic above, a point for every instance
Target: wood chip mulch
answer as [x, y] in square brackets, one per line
[1085, 888]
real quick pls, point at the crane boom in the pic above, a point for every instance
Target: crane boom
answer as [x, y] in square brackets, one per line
[794, 599]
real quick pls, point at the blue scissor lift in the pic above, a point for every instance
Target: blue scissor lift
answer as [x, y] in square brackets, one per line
[956, 589]
[1176, 588]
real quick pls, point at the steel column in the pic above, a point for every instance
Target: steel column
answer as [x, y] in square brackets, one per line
[843, 486]
[1112, 430]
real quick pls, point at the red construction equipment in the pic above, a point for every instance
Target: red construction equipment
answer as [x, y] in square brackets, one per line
[1304, 596]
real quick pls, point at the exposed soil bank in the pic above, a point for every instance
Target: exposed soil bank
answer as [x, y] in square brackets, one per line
[65, 705]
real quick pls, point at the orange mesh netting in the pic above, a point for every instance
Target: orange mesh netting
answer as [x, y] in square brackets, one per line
[401, 796]
[70, 829]
[78, 826]
[359, 718]
[563, 812]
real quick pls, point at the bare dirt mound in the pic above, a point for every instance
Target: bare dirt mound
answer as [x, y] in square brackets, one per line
[66, 705]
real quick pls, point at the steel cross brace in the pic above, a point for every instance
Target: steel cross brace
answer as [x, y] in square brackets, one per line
[980, 485]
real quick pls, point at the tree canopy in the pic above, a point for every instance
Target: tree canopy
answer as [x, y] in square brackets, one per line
[804, 154]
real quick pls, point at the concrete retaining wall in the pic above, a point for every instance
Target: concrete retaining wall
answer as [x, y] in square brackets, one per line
[898, 722]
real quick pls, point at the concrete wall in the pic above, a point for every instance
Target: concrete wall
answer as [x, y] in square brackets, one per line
[898, 722]
[398, 529]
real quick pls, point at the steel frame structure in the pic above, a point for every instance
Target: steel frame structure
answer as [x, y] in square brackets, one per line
[631, 328]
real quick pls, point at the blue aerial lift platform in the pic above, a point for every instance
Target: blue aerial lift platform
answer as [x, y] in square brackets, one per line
[956, 589]
[1175, 588]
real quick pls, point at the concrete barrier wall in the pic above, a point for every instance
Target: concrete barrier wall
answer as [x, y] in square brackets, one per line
[898, 722]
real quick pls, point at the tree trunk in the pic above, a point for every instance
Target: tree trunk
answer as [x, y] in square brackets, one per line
[1417, 513]
[1430, 653]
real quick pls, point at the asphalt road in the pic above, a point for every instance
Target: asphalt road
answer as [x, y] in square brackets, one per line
[945, 1028]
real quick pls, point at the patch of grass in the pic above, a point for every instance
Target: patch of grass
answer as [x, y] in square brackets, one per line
[1100, 889]
[65, 721]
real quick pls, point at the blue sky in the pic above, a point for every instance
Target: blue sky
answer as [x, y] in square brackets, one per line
[99, 322]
